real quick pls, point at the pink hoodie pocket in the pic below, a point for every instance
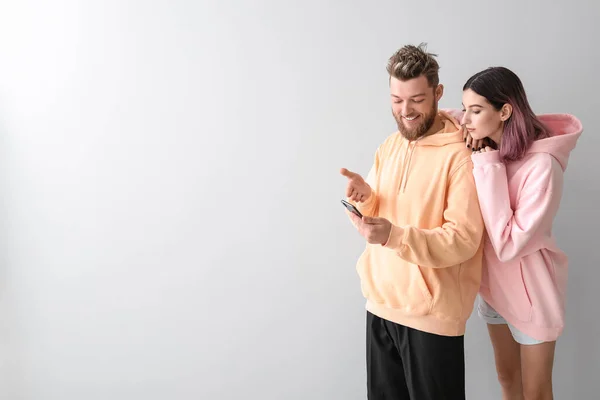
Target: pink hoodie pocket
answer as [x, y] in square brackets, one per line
[507, 288]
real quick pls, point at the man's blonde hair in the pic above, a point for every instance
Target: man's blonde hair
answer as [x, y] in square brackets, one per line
[411, 62]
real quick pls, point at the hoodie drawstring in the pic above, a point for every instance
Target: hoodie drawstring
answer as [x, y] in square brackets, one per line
[411, 147]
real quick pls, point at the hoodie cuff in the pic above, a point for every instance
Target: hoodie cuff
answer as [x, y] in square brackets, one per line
[491, 157]
[396, 238]
[365, 205]
[368, 202]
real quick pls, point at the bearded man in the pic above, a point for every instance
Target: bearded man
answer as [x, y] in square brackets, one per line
[421, 268]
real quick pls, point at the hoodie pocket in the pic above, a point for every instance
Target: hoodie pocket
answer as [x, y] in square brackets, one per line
[400, 287]
[507, 286]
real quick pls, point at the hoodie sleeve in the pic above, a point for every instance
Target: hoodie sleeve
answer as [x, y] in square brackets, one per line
[457, 240]
[519, 232]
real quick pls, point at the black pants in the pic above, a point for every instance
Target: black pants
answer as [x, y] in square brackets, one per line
[404, 363]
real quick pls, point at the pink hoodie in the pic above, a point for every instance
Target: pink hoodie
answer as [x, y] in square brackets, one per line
[524, 272]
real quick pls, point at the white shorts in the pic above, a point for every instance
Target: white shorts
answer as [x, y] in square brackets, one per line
[491, 316]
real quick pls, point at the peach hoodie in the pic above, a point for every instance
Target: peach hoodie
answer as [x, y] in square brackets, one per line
[428, 273]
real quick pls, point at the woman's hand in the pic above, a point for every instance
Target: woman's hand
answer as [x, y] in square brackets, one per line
[473, 144]
[485, 149]
[477, 145]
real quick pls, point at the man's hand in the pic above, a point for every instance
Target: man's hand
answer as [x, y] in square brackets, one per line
[357, 190]
[375, 230]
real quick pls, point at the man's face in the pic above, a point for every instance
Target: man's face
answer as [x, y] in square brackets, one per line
[414, 105]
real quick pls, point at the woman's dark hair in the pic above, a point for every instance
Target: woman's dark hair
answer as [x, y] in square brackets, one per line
[501, 86]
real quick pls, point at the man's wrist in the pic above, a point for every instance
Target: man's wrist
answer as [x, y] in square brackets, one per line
[387, 240]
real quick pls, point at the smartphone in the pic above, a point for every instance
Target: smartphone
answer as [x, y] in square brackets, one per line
[351, 208]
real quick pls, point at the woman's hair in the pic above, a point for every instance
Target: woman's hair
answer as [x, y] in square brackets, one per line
[500, 86]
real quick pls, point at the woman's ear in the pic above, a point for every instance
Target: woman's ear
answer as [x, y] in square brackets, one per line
[505, 112]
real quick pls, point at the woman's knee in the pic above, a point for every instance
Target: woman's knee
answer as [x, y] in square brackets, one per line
[509, 377]
[538, 389]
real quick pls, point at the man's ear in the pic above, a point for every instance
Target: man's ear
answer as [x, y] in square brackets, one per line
[439, 92]
[505, 112]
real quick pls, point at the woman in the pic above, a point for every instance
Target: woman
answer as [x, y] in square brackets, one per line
[519, 179]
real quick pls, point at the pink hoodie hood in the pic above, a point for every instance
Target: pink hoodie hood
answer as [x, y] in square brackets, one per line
[564, 129]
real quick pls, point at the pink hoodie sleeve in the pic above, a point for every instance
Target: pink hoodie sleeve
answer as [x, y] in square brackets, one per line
[517, 233]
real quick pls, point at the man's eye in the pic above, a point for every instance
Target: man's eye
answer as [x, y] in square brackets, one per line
[476, 112]
[419, 101]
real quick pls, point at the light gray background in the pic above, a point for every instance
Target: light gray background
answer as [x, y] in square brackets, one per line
[170, 225]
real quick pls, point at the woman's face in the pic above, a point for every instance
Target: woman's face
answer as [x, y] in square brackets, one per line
[481, 118]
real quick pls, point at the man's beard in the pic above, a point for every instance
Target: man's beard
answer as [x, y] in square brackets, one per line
[418, 131]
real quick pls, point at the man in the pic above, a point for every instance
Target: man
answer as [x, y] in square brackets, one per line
[421, 269]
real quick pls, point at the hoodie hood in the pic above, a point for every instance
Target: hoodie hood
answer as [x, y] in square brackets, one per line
[452, 132]
[564, 129]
